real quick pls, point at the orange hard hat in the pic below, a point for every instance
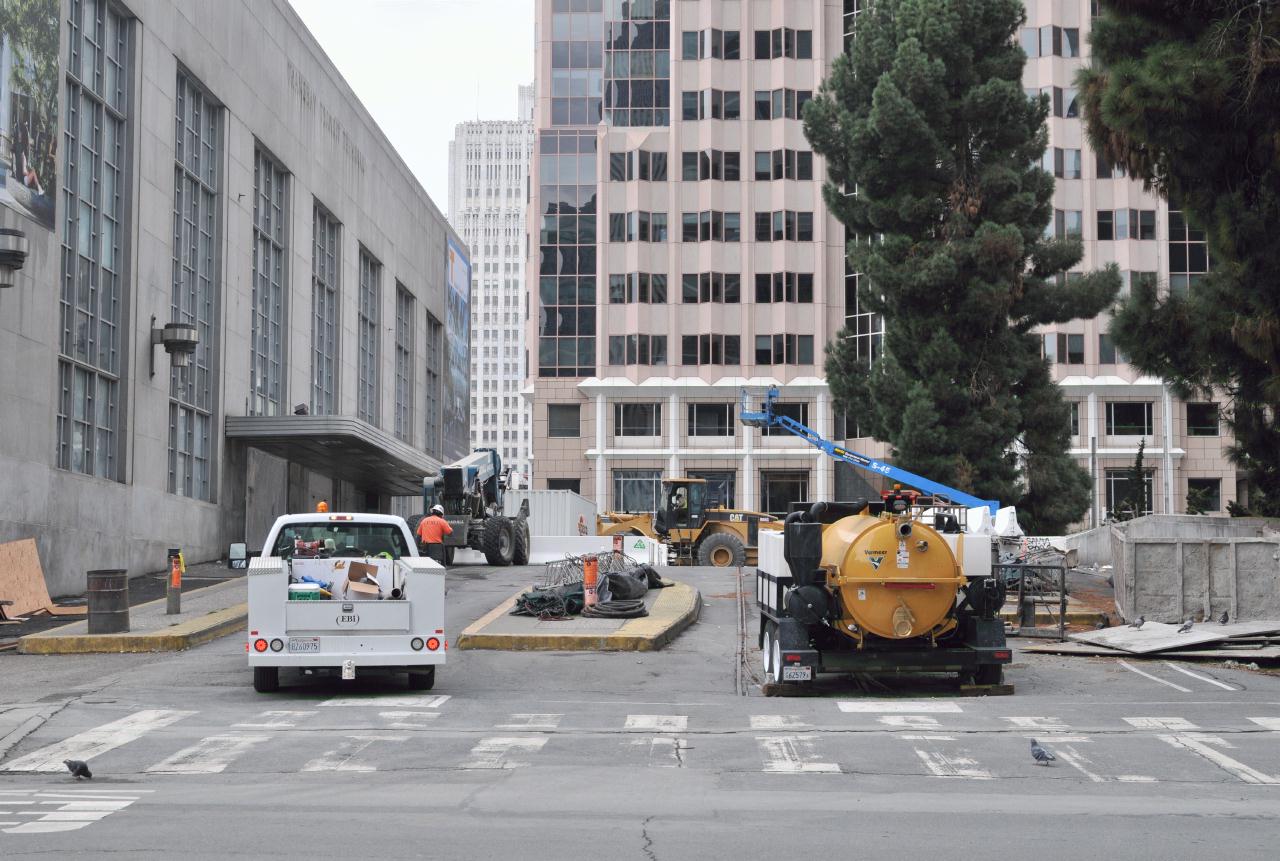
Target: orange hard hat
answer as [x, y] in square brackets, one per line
[322, 506]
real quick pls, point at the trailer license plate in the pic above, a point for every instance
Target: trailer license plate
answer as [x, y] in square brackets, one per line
[304, 644]
[797, 674]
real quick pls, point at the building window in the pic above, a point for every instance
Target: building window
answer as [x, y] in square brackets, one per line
[564, 421]
[710, 420]
[433, 391]
[1107, 170]
[636, 490]
[710, 226]
[784, 287]
[638, 164]
[637, 420]
[642, 287]
[403, 423]
[573, 484]
[1204, 494]
[795, 411]
[780, 488]
[780, 104]
[1062, 163]
[1188, 253]
[196, 253]
[1128, 279]
[324, 322]
[1202, 419]
[368, 322]
[1066, 224]
[637, 60]
[266, 332]
[96, 178]
[567, 249]
[721, 487]
[1050, 41]
[710, 164]
[783, 164]
[710, 349]
[710, 104]
[784, 42]
[638, 227]
[784, 225]
[1126, 224]
[784, 349]
[1122, 497]
[864, 327]
[710, 44]
[1129, 418]
[576, 64]
[1107, 352]
[723, 287]
[637, 349]
[1065, 102]
[1073, 420]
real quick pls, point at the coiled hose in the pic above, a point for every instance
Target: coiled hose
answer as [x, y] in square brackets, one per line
[617, 610]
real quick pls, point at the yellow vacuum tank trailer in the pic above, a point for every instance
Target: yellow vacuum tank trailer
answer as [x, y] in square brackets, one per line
[869, 587]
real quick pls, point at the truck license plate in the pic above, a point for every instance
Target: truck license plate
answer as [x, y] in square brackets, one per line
[304, 644]
[797, 674]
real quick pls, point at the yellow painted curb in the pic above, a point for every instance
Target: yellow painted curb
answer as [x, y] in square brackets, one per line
[209, 627]
[676, 608]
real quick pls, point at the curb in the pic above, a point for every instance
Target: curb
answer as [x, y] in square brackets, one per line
[195, 632]
[676, 608]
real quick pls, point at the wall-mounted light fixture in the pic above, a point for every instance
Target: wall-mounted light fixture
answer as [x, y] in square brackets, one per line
[179, 341]
[13, 254]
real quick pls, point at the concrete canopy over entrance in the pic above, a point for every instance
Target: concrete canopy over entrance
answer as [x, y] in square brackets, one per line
[342, 447]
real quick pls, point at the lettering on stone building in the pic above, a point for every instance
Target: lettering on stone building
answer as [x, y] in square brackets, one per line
[328, 121]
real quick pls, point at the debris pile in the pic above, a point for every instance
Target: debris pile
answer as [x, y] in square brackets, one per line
[1244, 641]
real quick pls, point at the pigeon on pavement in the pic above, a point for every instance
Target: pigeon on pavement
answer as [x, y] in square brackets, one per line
[1138, 622]
[1185, 628]
[1224, 618]
[1040, 755]
[78, 769]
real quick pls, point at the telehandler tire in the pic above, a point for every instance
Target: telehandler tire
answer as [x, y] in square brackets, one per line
[499, 541]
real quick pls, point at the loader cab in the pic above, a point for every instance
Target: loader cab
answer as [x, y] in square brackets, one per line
[681, 505]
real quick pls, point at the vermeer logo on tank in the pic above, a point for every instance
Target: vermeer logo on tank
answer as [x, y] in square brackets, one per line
[875, 557]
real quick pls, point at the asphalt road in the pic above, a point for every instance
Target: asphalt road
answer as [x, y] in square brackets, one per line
[626, 755]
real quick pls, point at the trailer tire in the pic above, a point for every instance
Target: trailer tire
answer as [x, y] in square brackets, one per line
[266, 680]
[722, 550]
[520, 556]
[499, 541]
[422, 680]
[766, 647]
[989, 674]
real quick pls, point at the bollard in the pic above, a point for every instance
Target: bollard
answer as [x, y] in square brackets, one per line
[617, 544]
[173, 590]
[590, 580]
[108, 600]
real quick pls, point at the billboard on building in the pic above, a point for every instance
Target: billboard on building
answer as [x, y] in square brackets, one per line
[457, 395]
[29, 40]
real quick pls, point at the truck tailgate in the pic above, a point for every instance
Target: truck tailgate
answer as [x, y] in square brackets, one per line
[311, 618]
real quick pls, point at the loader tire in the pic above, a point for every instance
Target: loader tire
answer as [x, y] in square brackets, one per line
[520, 556]
[722, 550]
[499, 541]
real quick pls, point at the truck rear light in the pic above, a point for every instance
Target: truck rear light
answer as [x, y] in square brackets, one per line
[1002, 654]
[260, 645]
[795, 658]
[433, 643]
[416, 644]
[439, 630]
[342, 517]
[277, 644]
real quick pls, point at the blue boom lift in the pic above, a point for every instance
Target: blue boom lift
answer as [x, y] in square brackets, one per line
[767, 416]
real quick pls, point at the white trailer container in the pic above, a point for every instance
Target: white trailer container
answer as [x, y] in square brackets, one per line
[382, 606]
[553, 512]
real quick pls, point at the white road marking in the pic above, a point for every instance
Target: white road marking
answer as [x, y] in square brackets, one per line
[1129, 666]
[910, 721]
[1234, 767]
[942, 765]
[1187, 672]
[777, 722]
[665, 751]
[530, 722]
[1271, 723]
[1074, 759]
[657, 723]
[392, 702]
[341, 758]
[210, 755]
[275, 720]
[1047, 724]
[408, 720]
[1135, 778]
[898, 706]
[496, 752]
[1161, 723]
[1060, 738]
[66, 811]
[97, 741]
[911, 737]
[792, 754]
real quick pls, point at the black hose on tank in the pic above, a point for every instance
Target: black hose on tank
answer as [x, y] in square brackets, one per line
[830, 512]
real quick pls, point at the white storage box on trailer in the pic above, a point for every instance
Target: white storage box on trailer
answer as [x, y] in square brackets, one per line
[553, 512]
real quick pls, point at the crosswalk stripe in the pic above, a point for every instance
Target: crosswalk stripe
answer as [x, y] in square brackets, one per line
[496, 752]
[275, 720]
[1271, 723]
[777, 722]
[342, 758]
[210, 755]
[1234, 767]
[665, 751]
[1048, 724]
[530, 722]
[97, 741]
[389, 702]
[1161, 723]
[1171, 665]
[657, 723]
[792, 754]
[898, 706]
[910, 721]
[943, 765]
[409, 720]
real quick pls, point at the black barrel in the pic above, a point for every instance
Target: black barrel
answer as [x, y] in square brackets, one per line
[108, 596]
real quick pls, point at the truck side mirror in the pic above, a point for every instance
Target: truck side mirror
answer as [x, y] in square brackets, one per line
[238, 555]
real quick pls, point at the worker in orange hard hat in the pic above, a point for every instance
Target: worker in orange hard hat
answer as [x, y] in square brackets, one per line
[431, 532]
[322, 507]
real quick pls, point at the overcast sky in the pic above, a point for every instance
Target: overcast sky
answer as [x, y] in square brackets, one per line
[423, 66]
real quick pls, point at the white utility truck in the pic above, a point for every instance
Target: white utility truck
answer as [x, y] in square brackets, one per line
[344, 591]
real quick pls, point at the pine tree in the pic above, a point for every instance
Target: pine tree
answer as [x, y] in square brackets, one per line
[1186, 95]
[927, 120]
[1134, 503]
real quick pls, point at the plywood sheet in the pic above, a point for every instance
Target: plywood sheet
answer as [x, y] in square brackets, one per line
[22, 582]
[1086, 650]
[1158, 637]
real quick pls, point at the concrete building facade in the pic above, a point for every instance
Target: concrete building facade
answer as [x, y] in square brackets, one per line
[488, 199]
[215, 170]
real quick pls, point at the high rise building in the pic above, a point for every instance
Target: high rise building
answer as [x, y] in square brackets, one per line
[488, 193]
